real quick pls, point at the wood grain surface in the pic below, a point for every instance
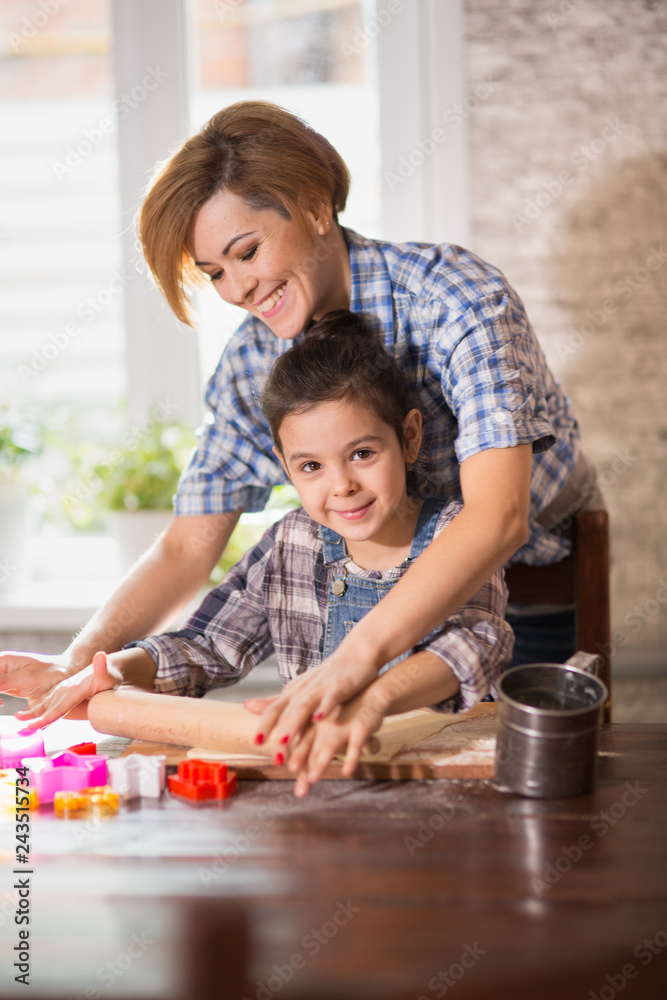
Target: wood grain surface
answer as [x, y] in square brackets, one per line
[548, 899]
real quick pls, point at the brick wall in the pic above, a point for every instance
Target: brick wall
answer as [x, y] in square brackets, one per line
[569, 194]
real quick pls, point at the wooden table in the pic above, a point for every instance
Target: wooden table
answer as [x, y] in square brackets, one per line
[366, 890]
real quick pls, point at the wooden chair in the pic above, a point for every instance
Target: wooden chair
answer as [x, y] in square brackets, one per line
[582, 579]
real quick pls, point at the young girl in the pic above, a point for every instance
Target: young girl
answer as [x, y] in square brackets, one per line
[346, 436]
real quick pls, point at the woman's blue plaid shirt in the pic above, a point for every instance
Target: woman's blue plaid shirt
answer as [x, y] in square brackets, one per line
[464, 343]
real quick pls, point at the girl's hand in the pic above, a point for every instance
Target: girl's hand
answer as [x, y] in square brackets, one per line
[348, 727]
[314, 695]
[70, 694]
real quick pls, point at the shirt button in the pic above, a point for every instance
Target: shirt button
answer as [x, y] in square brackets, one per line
[500, 416]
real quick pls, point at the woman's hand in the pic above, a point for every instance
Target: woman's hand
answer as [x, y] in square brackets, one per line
[70, 695]
[313, 695]
[347, 728]
[420, 679]
[31, 675]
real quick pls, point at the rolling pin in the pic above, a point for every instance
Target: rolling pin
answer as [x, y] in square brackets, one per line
[186, 722]
[227, 726]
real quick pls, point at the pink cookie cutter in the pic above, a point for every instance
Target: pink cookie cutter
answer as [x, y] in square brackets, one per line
[13, 748]
[65, 772]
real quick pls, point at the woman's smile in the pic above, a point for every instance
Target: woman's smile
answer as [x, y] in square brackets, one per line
[269, 305]
[284, 273]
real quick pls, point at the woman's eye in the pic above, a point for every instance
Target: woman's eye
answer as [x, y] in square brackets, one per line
[216, 276]
[249, 254]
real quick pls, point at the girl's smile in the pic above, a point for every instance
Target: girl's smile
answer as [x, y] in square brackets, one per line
[349, 469]
[357, 512]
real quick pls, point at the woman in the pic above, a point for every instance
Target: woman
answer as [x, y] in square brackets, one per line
[251, 203]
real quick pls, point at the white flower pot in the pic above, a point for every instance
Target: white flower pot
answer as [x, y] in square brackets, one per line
[135, 531]
[17, 519]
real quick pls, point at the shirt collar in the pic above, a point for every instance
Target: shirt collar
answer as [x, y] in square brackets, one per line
[371, 292]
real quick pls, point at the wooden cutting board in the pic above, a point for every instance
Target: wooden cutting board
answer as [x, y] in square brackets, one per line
[464, 749]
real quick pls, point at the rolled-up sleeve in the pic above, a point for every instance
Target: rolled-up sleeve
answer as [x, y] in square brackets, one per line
[476, 643]
[491, 381]
[227, 635]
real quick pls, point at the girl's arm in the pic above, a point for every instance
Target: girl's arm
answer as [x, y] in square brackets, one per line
[492, 525]
[166, 577]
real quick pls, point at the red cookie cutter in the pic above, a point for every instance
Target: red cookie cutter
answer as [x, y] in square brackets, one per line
[198, 781]
[83, 748]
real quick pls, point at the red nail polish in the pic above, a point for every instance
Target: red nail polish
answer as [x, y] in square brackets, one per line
[317, 716]
[284, 739]
[280, 759]
[259, 738]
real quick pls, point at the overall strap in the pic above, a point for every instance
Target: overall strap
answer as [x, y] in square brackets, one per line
[333, 545]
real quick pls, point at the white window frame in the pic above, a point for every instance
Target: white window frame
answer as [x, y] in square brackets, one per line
[161, 354]
[421, 52]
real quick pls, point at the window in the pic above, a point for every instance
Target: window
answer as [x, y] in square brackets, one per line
[62, 285]
[98, 90]
[315, 59]
[79, 143]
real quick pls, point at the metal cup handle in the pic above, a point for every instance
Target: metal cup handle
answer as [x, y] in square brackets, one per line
[589, 662]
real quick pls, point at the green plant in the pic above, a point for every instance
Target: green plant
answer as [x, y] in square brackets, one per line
[283, 498]
[20, 440]
[145, 475]
[137, 471]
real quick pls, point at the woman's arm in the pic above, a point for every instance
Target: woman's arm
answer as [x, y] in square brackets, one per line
[227, 634]
[492, 525]
[161, 583]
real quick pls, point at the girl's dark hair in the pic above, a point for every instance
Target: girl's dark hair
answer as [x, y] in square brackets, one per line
[340, 358]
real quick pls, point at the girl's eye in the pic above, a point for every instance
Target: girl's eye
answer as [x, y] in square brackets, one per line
[363, 453]
[310, 467]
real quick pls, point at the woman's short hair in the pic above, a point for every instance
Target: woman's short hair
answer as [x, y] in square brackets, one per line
[339, 358]
[258, 151]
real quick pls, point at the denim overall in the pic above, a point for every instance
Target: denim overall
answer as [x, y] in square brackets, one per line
[349, 596]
